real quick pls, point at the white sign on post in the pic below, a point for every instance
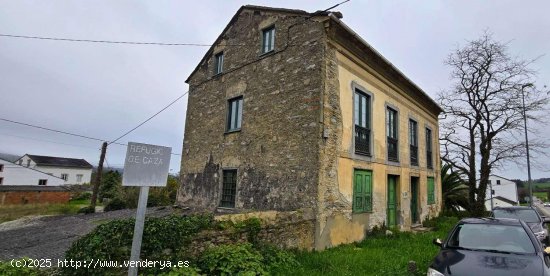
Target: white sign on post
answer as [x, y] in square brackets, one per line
[145, 166]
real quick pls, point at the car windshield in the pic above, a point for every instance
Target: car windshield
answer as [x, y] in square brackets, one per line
[527, 215]
[491, 237]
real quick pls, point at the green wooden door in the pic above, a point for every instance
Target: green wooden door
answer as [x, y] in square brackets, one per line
[392, 201]
[362, 191]
[414, 199]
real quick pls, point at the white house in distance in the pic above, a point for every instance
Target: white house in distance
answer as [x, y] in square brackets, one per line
[505, 192]
[12, 174]
[72, 170]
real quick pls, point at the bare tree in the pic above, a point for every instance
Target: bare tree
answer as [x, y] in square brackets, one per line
[482, 125]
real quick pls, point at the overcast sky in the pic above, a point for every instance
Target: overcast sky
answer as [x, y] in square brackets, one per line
[103, 90]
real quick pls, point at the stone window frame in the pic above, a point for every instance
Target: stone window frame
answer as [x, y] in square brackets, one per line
[217, 69]
[220, 187]
[228, 114]
[429, 126]
[355, 85]
[394, 107]
[414, 118]
[263, 31]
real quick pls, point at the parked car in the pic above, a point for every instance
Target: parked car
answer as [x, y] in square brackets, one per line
[528, 215]
[547, 204]
[490, 246]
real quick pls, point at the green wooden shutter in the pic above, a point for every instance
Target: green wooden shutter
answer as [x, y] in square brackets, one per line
[368, 191]
[431, 190]
[362, 191]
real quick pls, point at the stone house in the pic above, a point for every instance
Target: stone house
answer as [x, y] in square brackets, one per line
[291, 111]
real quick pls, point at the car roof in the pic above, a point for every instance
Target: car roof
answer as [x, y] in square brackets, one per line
[515, 208]
[500, 221]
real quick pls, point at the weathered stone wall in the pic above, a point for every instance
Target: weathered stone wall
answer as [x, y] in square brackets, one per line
[294, 229]
[276, 150]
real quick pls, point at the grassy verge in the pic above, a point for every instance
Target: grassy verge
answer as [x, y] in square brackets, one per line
[378, 254]
[13, 212]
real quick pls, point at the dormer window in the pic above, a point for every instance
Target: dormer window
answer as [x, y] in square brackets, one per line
[268, 39]
[218, 69]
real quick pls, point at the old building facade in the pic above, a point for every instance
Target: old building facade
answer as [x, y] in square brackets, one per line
[292, 111]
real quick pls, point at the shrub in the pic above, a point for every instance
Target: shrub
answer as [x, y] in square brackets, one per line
[82, 196]
[186, 271]
[275, 258]
[86, 210]
[164, 239]
[232, 259]
[6, 269]
[115, 204]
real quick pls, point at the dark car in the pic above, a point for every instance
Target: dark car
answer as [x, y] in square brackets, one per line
[490, 246]
[529, 215]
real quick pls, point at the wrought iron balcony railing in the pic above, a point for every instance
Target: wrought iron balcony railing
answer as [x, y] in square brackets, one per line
[362, 140]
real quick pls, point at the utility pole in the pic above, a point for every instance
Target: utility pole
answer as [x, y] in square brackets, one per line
[97, 178]
[527, 143]
[491, 187]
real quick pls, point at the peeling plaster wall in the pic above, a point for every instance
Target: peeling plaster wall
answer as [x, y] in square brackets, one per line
[336, 224]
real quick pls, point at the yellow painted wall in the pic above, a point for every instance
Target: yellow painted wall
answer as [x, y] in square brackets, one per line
[383, 92]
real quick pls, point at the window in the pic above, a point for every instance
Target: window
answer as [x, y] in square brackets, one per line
[229, 188]
[28, 163]
[219, 63]
[361, 109]
[498, 182]
[1, 180]
[429, 161]
[64, 176]
[79, 178]
[431, 190]
[1, 167]
[391, 132]
[234, 114]
[43, 182]
[413, 141]
[20, 162]
[362, 191]
[268, 40]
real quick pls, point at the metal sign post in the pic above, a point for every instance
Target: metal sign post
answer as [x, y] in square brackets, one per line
[145, 166]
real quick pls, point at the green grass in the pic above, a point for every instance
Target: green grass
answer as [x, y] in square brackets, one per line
[540, 185]
[376, 255]
[541, 195]
[13, 212]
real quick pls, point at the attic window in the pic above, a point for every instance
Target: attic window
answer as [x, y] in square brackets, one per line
[1, 167]
[43, 182]
[219, 63]
[268, 39]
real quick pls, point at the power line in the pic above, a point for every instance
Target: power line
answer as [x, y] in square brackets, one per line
[48, 141]
[148, 119]
[54, 130]
[107, 41]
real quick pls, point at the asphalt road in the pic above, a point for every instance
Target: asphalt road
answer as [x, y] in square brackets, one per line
[48, 237]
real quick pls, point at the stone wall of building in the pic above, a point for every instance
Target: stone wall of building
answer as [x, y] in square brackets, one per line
[292, 229]
[276, 150]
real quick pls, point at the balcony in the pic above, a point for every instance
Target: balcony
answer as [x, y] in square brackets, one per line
[362, 140]
[429, 162]
[414, 155]
[392, 149]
